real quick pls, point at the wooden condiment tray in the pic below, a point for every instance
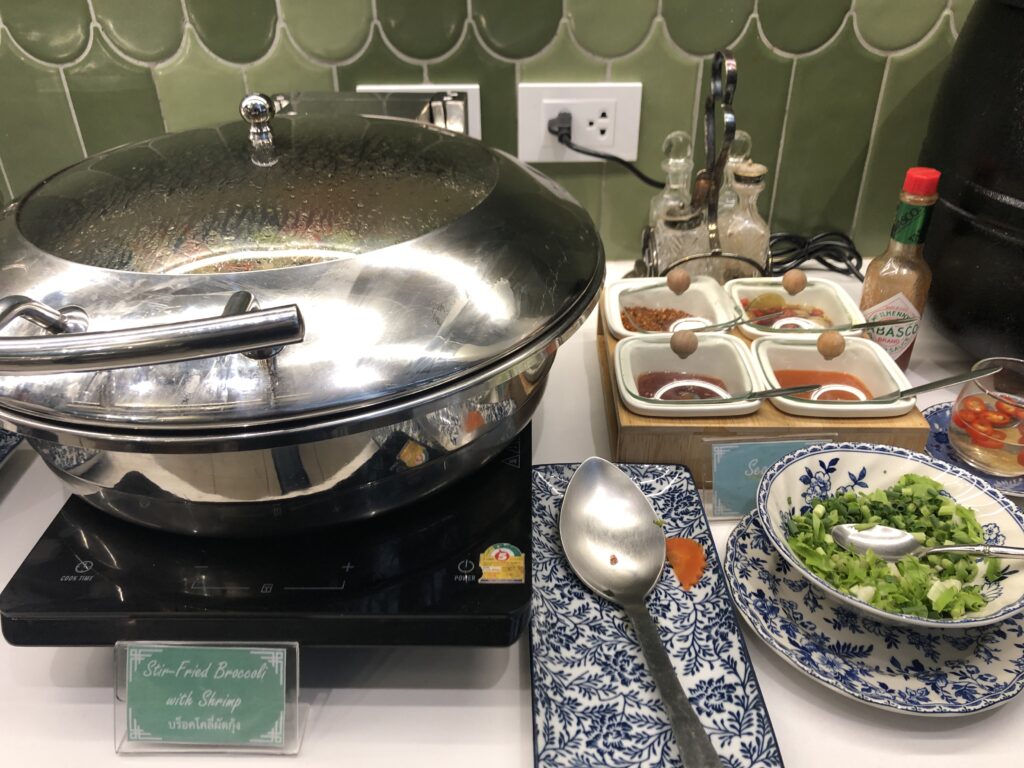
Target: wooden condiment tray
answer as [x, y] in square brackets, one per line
[650, 440]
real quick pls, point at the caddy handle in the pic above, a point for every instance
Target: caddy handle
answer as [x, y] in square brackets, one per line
[259, 333]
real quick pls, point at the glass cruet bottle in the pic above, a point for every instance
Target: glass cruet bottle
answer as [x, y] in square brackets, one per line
[675, 224]
[674, 200]
[743, 231]
[739, 153]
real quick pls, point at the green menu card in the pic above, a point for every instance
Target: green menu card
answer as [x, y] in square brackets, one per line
[205, 695]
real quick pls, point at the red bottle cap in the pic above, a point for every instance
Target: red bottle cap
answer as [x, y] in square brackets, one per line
[921, 181]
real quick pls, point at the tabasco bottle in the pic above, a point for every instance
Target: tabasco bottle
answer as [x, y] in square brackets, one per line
[896, 284]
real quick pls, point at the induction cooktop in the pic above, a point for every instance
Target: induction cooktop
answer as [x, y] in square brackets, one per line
[451, 569]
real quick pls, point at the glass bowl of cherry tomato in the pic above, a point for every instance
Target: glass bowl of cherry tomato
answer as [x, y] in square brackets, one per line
[987, 426]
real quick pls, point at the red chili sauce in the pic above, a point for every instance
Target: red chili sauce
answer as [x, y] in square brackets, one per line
[648, 384]
[791, 378]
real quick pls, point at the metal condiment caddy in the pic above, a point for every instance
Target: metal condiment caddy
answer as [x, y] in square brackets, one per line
[706, 199]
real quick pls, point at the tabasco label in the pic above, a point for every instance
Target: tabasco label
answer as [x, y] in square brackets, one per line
[911, 223]
[894, 339]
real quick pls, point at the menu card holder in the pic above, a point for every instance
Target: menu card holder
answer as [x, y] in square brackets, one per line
[207, 697]
[737, 464]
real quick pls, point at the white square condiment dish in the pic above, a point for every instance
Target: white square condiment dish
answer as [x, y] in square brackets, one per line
[705, 300]
[718, 355]
[833, 301]
[861, 358]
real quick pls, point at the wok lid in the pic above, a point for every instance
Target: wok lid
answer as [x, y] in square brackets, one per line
[416, 258]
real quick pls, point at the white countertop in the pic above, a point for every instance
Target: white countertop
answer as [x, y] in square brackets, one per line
[460, 706]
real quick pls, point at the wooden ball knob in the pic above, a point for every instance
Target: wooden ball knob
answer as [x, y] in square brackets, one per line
[678, 280]
[683, 343]
[794, 281]
[831, 344]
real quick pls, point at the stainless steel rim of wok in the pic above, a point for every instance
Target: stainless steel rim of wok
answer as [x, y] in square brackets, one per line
[267, 327]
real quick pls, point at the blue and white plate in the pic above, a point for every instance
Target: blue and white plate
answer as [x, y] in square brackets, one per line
[8, 442]
[939, 446]
[594, 703]
[921, 672]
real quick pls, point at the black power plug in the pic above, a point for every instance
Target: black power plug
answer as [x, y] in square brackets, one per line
[561, 126]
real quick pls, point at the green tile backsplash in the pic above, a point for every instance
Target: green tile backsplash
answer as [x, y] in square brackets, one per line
[835, 93]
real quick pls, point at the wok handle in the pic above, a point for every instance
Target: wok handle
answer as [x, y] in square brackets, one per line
[693, 741]
[258, 333]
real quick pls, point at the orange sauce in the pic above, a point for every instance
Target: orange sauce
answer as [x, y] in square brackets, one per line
[687, 559]
[791, 378]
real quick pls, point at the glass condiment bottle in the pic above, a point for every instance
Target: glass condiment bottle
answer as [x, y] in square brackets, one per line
[674, 199]
[739, 153]
[896, 283]
[676, 239]
[742, 229]
[674, 222]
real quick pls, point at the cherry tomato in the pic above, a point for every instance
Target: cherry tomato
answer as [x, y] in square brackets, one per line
[973, 403]
[1020, 458]
[1006, 408]
[960, 422]
[1019, 413]
[967, 416]
[995, 418]
[998, 439]
[993, 440]
[980, 428]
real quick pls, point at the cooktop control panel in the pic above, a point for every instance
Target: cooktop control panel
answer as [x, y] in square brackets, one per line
[451, 569]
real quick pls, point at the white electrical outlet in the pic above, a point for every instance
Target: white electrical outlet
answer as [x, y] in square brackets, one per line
[605, 117]
[472, 91]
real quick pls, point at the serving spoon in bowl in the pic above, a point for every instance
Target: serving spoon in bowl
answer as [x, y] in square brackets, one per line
[613, 542]
[893, 544]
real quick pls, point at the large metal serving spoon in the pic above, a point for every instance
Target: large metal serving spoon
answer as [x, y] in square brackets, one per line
[615, 545]
[893, 544]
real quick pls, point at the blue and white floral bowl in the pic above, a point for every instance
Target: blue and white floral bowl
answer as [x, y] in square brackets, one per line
[795, 480]
[907, 669]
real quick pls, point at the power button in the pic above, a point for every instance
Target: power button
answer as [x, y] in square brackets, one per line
[466, 566]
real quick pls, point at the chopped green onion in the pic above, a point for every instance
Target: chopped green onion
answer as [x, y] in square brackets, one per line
[935, 587]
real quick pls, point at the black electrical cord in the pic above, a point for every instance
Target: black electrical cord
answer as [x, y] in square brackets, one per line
[832, 250]
[561, 127]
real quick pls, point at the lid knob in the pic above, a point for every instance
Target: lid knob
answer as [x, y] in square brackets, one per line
[258, 110]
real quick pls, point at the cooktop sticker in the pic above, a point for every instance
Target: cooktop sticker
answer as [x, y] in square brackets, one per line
[503, 564]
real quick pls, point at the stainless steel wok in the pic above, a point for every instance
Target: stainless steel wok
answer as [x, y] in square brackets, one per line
[272, 326]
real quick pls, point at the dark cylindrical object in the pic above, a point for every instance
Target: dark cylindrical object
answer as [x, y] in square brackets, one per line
[976, 138]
